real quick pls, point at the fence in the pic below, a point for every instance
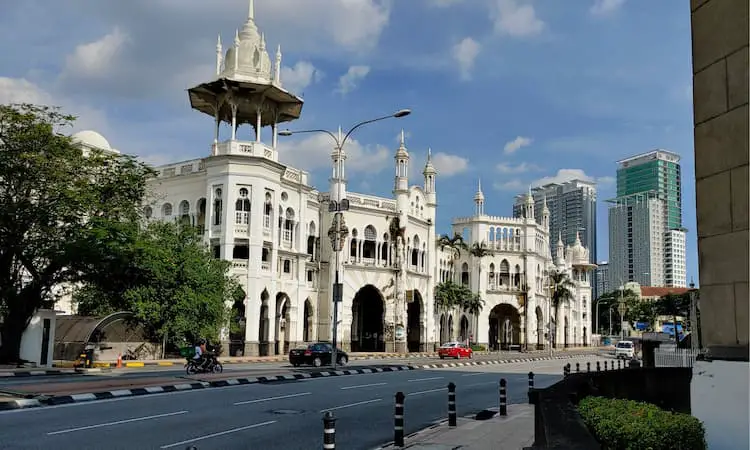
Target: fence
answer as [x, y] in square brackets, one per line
[675, 357]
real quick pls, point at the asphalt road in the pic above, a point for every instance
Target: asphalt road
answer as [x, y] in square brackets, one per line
[284, 415]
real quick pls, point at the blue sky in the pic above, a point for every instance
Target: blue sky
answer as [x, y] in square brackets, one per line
[509, 91]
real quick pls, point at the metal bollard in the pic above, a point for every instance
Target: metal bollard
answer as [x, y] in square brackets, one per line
[588, 366]
[598, 367]
[398, 420]
[503, 398]
[329, 431]
[619, 364]
[531, 380]
[451, 404]
[578, 367]
[605, 366]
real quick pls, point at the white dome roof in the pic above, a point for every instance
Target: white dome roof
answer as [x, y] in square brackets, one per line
[92, 139]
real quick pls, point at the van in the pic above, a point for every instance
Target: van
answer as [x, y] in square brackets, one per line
[625, 350]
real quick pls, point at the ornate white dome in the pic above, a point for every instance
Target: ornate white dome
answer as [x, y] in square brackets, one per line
[577, 254]
[248, 56]
[92, 139]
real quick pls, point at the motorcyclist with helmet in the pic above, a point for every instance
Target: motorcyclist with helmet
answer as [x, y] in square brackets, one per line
[201, 357]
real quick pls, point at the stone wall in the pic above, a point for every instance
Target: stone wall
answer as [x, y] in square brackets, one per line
[720, 97]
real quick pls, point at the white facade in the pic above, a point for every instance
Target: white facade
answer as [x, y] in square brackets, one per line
[275, 228]
[675, 258]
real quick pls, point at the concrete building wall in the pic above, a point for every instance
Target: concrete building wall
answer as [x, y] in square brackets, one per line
[720, 98]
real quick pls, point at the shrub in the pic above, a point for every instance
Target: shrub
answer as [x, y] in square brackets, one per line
[478, 348]
[629, 425]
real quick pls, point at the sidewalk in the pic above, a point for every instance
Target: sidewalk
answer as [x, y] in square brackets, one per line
[512, 432]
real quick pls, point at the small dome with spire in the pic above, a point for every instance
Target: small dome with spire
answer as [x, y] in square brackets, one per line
[401, 152]
[248, 56]
[429, 169]
[545, 208]
[577, 254]
[479, 196]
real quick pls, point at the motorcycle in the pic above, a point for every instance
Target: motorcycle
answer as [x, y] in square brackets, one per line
[213, 365]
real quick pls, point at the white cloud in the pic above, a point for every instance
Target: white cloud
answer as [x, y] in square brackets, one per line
[506, 168]
[511, 185]
[564, 175]
[448, 165]
[444, 3]
[516, 144]
[96, 59]
[314, 152]
[605, 7]
[516, 18]
[300, 76]
[465, 53]
[350, 80]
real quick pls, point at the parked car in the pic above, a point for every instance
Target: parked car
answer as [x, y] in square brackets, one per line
[317, 354]
[455, 350]
[625, 350]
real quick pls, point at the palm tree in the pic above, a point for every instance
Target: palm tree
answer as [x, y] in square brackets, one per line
[455, 244]
[561, 293]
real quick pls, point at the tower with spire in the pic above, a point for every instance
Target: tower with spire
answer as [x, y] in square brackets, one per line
[529, 209]
[479, 200]
[401, 182]
[246, 89]
[430, 174]
[338, 179]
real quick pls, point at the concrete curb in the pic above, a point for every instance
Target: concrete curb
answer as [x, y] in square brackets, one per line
[36, 372]
[87, 397]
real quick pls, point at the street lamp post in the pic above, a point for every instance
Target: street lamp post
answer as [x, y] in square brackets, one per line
[694, 343]
[339, 231]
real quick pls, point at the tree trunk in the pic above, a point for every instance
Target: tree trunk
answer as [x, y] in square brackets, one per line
[11, 332]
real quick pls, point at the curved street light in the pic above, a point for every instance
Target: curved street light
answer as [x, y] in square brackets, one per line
[338, 229]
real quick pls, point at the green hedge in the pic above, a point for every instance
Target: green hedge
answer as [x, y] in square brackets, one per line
[478, 348]
[629, 425]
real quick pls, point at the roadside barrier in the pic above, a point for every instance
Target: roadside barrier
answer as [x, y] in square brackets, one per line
[398, 420]
[531, 380]
[503, 398]
[578, 367]
[588, 366]
[451, 404]
[598, 367]
[329, 431]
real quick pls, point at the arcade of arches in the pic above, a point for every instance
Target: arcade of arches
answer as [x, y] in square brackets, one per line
[280, 343]
[368, 322]
[505, 327]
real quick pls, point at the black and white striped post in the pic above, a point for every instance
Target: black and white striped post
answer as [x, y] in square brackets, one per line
[578, 367]
[329, 431]
[598, 367]
[588, 366]
[398, 420]
[566, 370]
[606, 366]
[531, 380]
[503, 398]
[451, 404]
[619, 364]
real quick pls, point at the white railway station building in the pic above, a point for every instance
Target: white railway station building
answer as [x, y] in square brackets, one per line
[273, 225]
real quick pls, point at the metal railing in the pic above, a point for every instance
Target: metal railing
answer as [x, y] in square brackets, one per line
[675, 357]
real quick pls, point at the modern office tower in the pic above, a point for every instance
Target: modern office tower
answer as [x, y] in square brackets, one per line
[602, 278]
[675, 274]
[572, 207]
[646, 238]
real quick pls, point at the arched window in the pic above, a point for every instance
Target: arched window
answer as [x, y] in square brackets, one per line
[311, 239]
[242, 208]
[465, 274]
[504, 273]
[218, 207]
[415, 251]
[492, 282]
[370, 243]
[353, 244]
[384, 248]
[185, 212]
[267, 212]
[289, 226]
[166, 210]
[148, 212]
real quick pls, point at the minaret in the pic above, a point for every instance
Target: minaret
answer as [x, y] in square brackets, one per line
[529, 213]
[338, 180]
[401, 184]
[479, 200]
[430, 173]
[560, 253]
[545, 215]
[219, 57]
[236, 49]
[277, 67]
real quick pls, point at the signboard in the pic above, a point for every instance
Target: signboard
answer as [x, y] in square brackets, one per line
[640, 326]
[338, 292]
[409, 296]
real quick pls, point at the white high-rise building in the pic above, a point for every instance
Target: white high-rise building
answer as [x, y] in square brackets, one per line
[675, 274]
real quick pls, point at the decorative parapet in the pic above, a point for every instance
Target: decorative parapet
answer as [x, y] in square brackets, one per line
[497, 220]
[245, 148]
[181, 168]
[365, 201]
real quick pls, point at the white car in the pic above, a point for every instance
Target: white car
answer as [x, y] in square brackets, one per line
[625, 350]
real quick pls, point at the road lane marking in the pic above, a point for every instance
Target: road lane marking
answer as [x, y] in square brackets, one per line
[221, 433]
[481, 384]
[350, 405]
[474, 374]
[268, 399]
[427, 392]
[427, 379]
[119, 422]
[362, 385]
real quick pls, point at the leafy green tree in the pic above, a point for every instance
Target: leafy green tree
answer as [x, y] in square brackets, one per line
[674, 305]
[51, 194]
[562, 292]
[448, 295]
[168, 278]
[455, 244]
[612, 299]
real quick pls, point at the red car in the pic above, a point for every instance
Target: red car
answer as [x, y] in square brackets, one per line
[455, 350]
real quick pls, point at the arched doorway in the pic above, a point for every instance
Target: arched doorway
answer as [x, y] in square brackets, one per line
[450, 328]
[368, 314]
[539, 329]
[263, 325]
[307, 322]
[585, 338]
[282, 323]
[443, 335]
[464, 327]
[414, 323]
[237, 327]
[566, 331]
[505, 327]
